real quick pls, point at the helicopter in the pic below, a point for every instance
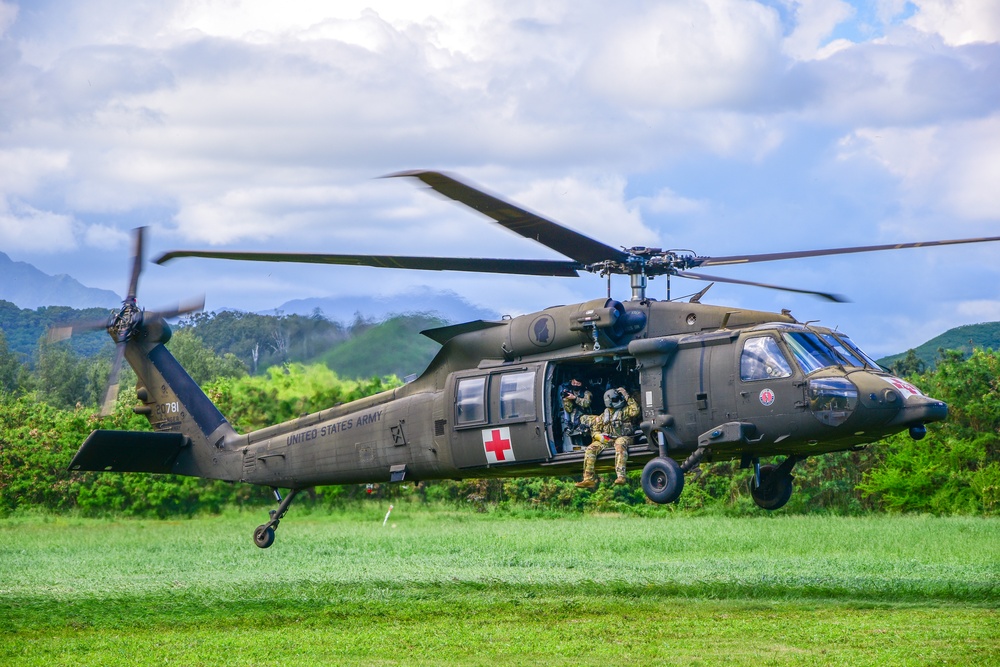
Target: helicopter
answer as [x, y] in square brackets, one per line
[711, 383]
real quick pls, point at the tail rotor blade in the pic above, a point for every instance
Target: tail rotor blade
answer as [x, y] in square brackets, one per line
[64, 331]
[133, 282]
[111, 394]
[194, 305]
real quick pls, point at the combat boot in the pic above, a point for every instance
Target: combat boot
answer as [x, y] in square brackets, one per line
[586, 484]
[620, 481]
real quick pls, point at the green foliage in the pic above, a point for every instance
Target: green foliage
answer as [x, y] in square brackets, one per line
[393, 347]
[911, 364]
[365, 349]
[287, 392]
[956, 468]
[23, 327]
[65, 379]
[964, 339]
[262, 341]
[10, 368]
[200, 361]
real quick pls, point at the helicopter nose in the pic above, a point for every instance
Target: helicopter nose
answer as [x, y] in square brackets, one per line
[918, 410]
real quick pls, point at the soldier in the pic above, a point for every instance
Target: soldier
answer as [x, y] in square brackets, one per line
[576, 403]
[615, 425]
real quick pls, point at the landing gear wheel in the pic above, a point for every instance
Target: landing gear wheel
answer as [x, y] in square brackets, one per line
[662, 480]
[775, 488]
[263, 537]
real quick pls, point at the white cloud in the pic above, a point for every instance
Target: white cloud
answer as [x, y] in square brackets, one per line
[595, 207]
[669, 202]
[958, 22]
[815, 21]
[25, 228]
[980, 310]
[8, 14]
[687, 55]
[951, 169]
[105, 237]
[24, 168]
[252, 124]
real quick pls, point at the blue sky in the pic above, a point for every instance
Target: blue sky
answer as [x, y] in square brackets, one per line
[723, 126]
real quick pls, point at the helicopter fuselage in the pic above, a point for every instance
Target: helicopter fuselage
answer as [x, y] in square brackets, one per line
[729, 384]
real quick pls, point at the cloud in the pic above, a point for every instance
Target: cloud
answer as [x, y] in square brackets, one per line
[668, 202]
[594, 206]
[951, 170]
[687, 55]
[105, 237]
[980, 310]
[24, 168]
[25, 228]
[250, 124]
[8, 14]
[958, 22]
[815, 20]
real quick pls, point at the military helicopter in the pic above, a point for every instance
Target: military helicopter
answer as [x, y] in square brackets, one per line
[713, 383]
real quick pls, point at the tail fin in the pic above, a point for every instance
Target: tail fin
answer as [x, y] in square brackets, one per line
[190, 436]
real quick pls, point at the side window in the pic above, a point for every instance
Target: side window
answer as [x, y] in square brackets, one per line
[470, 403]
[762, 359]
[517, 395]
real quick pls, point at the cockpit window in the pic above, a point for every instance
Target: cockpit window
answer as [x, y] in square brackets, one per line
[811, 353]
[844, 352]
[858, 351]
[762, 359]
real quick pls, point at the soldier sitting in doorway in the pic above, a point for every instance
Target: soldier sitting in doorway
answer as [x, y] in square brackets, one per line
[616, 425]
[576, 404]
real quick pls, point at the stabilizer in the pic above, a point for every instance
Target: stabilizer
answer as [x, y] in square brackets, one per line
[129, 451]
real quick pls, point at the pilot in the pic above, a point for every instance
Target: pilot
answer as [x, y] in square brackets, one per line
[615, 425]
[576, 403]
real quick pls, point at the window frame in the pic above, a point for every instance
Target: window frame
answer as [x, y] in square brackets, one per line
[787, 372]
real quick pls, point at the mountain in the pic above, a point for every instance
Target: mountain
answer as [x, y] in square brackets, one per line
[23, 327]
[445, 305]
[392, 347]
[964, 338]
[27, 287]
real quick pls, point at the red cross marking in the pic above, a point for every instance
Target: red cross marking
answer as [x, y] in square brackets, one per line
[497, 445]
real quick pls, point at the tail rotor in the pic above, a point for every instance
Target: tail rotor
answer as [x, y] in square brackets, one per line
[125, 323]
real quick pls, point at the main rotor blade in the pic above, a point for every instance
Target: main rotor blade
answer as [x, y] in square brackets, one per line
[111, 394]
[770, 257]
[137, 244]
[64, 331]
[530, 267]
[823, 295]
[529, 225]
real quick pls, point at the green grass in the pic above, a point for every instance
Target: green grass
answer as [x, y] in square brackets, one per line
[462, 588]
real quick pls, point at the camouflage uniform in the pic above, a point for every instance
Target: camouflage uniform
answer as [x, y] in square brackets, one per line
[575, 405]
[611, 426]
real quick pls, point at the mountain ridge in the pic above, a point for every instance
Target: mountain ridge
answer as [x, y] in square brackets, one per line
[27, 286]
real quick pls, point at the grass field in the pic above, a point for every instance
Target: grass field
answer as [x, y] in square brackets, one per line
[450, 587]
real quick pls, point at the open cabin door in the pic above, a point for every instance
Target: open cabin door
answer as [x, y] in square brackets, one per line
[499, 416]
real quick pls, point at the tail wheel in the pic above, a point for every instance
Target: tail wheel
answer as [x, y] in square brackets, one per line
[263, 536]
[662, 480]
[775, 488]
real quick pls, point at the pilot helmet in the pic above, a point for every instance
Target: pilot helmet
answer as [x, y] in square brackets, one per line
[613, 398]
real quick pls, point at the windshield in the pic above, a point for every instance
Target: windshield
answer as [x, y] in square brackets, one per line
[811, 352]
[858, 351]
[844, 352]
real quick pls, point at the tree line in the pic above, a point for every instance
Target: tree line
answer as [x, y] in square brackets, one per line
[239, 342]
[49, 407]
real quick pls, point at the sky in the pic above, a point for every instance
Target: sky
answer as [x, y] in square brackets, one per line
[720, 126]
